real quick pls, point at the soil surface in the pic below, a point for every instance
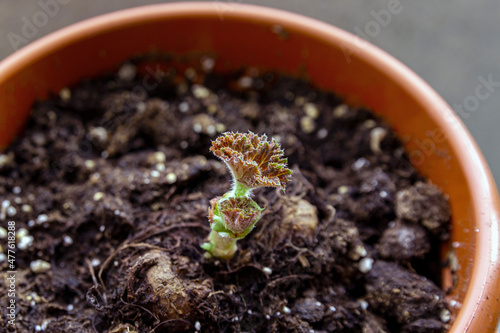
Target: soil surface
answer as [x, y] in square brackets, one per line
[110, 184]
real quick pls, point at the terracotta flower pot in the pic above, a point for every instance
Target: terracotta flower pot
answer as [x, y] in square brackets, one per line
[239, 35]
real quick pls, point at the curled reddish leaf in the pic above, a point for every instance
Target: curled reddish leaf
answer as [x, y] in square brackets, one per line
[234, 216]
[212, 210]
[253, 160]
[239, 214]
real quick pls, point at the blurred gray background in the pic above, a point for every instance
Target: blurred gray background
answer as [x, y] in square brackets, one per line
[453, 45]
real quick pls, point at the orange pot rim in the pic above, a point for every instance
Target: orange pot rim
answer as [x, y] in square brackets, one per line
[486, 205]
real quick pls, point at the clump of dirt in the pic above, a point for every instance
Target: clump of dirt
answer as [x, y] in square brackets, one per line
[110, 184]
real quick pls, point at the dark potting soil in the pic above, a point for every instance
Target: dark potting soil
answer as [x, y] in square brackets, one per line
[110, 184]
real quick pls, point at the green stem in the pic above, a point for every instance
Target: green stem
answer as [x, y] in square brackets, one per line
[239, 190]
[225, 247]
[220, 247]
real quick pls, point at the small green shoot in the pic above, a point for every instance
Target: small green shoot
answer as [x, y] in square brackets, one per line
[254, 162]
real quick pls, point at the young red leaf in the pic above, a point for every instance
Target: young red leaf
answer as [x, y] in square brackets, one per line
[253, 160]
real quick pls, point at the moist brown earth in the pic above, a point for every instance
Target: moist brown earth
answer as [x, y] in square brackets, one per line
[110, 184]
